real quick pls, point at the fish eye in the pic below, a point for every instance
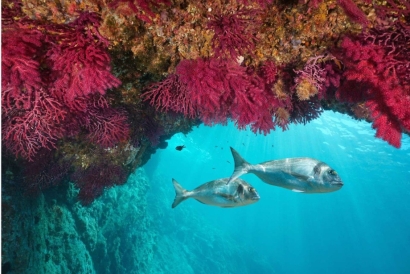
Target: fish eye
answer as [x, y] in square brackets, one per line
[332, 172]
[251, 189]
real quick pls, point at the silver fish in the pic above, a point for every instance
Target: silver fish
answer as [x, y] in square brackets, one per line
[305, 175]
[218, 193]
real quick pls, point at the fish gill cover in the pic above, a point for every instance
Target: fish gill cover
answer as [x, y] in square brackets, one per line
[101, 85]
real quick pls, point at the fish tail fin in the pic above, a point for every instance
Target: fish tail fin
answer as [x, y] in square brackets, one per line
[241, 166]
[180, 194]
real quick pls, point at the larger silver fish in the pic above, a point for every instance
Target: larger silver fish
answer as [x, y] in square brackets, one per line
[218, 193]
[305, 175]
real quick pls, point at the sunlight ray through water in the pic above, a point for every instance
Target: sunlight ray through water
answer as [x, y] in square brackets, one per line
[362, 228]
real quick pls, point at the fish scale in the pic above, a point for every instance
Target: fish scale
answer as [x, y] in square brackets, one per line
[305, 175]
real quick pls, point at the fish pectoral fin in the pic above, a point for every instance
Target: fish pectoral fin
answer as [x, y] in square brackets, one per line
[227, 196]
[299, 176]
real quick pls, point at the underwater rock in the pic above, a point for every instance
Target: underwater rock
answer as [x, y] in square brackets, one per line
[126, 230]
[54, 234]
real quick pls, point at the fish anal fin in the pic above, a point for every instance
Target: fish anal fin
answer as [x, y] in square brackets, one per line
[297, 190]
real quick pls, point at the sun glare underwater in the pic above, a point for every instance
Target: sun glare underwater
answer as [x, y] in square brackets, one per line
[361, 228]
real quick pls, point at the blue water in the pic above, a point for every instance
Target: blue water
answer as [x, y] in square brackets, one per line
[362, 228]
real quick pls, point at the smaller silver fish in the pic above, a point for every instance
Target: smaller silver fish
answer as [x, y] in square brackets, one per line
[218, 193]
[305, 175]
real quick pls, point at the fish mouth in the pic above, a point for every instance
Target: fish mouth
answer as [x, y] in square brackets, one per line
[255, 198]
[338, 183]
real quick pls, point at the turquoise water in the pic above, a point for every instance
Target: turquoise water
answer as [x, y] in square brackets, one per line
[362, 228]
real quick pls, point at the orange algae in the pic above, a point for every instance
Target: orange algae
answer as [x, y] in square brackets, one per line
[305, 89]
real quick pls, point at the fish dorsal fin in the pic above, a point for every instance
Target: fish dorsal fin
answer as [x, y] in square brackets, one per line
[239, 161]
[241, 166]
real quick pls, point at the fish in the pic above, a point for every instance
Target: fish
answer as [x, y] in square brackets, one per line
[179, 148]
[218, 193]
[305, 175]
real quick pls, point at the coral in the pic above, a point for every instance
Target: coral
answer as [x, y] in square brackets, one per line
[235, 33]
[49, 74]
[305, 89]
[387, 126]
[37, 126]
[10, 10]
[171, 94]
[269, 72]
[318, 74]
[353, 12]
[107, 126]
[20, 70]
[261, 3]
[377, 71]
[141, 8]
[282, 117]
[293, 35]
[309, 81]
[216, 90]
[394, 39]
[277, 99]
[214, 85]
[333, 69]
[80, 62]
[393, 10]
[305, 111]
[260, 63]
[315, 3]
[350, 8]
